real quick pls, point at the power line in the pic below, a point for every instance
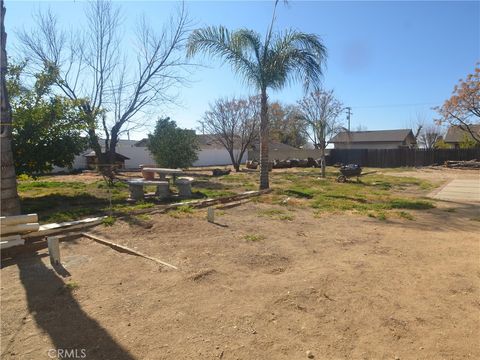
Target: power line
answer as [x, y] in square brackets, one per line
[395, 105]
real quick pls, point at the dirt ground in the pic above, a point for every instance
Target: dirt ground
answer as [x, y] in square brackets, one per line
[255, 286]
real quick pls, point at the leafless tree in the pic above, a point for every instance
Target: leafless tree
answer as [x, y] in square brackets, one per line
[234, 123]
[429, 135]
[95, 68]
[320, 110]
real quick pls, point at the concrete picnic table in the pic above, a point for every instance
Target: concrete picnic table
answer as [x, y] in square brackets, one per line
[136, 186]
[163, 172]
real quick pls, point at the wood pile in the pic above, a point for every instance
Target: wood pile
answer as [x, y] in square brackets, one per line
[13, 229]
[470, 164]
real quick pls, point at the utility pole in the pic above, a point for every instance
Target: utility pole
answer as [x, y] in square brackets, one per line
[349, 112]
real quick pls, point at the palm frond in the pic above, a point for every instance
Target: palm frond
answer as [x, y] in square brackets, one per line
[239, 48]
[296, 56]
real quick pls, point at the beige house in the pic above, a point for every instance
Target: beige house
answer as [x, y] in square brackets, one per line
[376, 139]
[456, 135]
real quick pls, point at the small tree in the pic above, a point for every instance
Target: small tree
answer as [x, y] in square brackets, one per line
[320, 110]
[171, 146]
[47, 129]
[463, 107]
[234, 124]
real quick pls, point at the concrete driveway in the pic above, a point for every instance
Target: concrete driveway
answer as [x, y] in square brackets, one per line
[461, 190]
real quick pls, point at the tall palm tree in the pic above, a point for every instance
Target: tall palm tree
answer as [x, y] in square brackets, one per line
[270, 64]
[10, 204]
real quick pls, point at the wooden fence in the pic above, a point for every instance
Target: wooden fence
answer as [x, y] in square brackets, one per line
[400, 157]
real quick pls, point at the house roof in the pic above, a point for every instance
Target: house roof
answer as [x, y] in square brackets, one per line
[398, 135]
[117, 155]
[205, 141]
[455, 134]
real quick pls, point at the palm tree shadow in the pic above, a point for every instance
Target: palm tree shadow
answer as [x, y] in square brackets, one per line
[57, 312]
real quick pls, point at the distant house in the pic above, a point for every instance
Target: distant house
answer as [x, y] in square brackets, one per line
[456, 135]
[276, 150]
[91, 160]
[376, 139]
[213, 153]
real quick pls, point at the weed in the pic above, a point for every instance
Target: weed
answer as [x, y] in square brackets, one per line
[24, 177]
[381, 216]
[71, 286]
[405, 215]
[254, 237]
[109, 221]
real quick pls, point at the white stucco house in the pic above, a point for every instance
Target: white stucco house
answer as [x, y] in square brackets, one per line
[136, 153]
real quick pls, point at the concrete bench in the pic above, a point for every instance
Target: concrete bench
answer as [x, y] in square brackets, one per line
[163, 188]
[137, 192]
[184, 185]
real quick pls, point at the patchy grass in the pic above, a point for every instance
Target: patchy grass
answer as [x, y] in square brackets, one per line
[411, 204]
[377, 192]
[405, 215]
[181, 211]
[109, 221]
[278, 214]
[254, 237]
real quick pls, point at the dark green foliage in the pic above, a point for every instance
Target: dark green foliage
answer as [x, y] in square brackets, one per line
[46, 127]
[171, 146]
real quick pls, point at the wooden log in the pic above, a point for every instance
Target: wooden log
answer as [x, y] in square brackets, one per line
[18, 219]
[20, 228]
[127, 250]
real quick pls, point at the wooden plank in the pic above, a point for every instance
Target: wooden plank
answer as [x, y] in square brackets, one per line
[58, 228]
[126, 249]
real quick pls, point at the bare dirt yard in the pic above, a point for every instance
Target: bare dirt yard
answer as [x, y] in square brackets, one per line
[274, 278]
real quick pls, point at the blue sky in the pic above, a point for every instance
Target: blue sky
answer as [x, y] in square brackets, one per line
[388, 60]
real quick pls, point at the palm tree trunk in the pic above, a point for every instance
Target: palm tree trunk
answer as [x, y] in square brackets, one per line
[264, 139]
[10, 203]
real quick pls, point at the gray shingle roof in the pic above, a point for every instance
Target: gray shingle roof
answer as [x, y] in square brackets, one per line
[398, 135]
[456, 135]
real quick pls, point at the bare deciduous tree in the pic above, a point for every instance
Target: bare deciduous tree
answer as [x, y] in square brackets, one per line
[234, 123]
[95, 68]
[320, 110]
[429, 136]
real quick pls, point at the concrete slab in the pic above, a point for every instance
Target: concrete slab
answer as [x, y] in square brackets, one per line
[463, 190]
